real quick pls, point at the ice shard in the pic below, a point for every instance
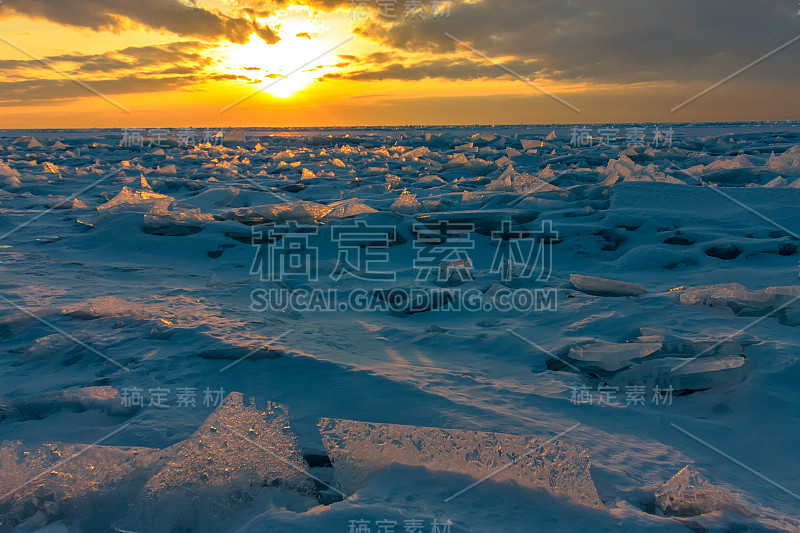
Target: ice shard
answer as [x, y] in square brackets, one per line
[358, 449]
[57, 479]
[688, 493]
[239, 453]
[605, 287]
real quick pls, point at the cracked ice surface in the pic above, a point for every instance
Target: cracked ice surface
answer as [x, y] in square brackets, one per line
[359, 449]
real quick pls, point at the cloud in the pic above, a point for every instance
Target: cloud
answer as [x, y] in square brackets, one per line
[171, 15]
[609, 41]
[457, 69]
[141, 59]
[138, 69]
[51, 91]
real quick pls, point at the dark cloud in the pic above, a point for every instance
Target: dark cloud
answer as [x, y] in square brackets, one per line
[227, 77]
[381, 57]
[253, 8]
[610, 41]
[141, 69]
[171, 15]
[459, 69]
[177, 55]
[183, 71]
[52, 91]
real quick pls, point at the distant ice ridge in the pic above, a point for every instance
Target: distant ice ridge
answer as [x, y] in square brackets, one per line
[358, 449]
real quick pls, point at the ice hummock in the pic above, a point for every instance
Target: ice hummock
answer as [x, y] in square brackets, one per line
[28, 142]
[521, 182]
[348, 209]
[239, 453]
[7, 171]
[301, 212]
[358, 449]
[129, 200]
[57, 479]
[788, 162]
[689, 493]
[162, 214]
[626, 169]
[406, 204]
[528, 144]
[53, 345]
[175, 222]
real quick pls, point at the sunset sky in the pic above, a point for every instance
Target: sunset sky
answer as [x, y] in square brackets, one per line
[172, 63]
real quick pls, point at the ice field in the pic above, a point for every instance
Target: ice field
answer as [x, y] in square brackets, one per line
[511, 328]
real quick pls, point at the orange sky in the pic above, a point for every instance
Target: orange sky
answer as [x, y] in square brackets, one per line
[333, 66]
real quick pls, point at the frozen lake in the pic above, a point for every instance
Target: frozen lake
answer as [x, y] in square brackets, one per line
[453, 329]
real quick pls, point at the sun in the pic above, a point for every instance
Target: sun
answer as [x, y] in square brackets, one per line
[280, 66]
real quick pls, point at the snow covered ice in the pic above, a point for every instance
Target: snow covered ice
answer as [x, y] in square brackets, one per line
[293, 329]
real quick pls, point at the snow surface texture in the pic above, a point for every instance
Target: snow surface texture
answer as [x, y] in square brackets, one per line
[674, 267]
[358, 449]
